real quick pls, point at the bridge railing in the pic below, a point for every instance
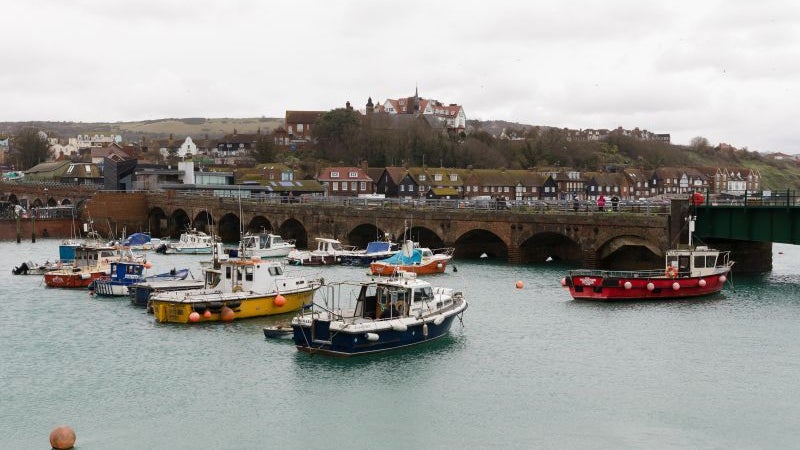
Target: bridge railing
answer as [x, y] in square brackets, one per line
[425, 204]
[783, 198]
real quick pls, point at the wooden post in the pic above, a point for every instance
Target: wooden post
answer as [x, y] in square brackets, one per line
[19, 231]
[33, 227]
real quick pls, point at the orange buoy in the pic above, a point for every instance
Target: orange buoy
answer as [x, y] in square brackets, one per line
[62, 438]
[207, 314]
[227, 314]
[148, 265]
[194, 316]
[279, 300]
[520, 285]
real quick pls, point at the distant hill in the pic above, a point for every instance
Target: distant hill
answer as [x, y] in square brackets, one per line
[195, 126]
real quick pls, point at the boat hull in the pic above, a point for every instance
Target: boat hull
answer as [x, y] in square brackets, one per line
[140, 292]
[106, 288]
[313, 339]
[653, 288]
[314, 260]
[243, 306]
[188, 250]
[379, 268]
[71, 279]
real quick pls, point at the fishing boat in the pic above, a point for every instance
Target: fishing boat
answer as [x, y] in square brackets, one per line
[689, 271]
[419, 260]
[329, 251]
[66, 257]
[192, 242]
[238, 289]
[126, 273]
[91, 263]
[265, 245]
[141, 292]
[376, 250]
[389, 313]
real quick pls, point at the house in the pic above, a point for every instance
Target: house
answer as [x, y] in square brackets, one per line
[452, 115]
[47, 171]
[298, 124]
[396, 181]
[82, 173]
[263, 173]
[236, 144]
[638, 184]
[607, 184]
[677, 181]
[113, 151]
[345, 181]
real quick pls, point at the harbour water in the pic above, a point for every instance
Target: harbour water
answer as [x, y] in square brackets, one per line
[529, 368]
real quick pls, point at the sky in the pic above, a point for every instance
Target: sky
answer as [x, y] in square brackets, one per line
[728, 71]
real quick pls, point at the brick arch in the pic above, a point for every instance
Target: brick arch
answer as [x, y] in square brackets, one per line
[634, 251]
[549, 244]
[228, 228]
[37, 203]
[203, 221]
[156, 217]
[424, 236]
[479, 241]
[178, 222]
[52, 202]
[364, 233]
[258, 224]
[291, 228]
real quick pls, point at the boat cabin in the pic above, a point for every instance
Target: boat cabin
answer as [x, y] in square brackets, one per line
[697, 262]
[396, 298]
[86, 256]
[328, 245]
[247, 275]
[126, 270]
[263, 241]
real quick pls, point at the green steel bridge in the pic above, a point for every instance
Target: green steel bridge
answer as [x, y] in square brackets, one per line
[762, 217]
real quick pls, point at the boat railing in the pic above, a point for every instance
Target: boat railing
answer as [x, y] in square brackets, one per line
[653, 273]
[447, 251]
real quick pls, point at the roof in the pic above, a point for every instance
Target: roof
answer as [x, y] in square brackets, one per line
[344, 174]
[444, 191]
[48, 167]
[303, 116]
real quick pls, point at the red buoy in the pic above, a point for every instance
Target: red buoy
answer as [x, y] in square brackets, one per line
[520, 284]
[279, 300]
[62, 438]
[148, 265]
[194, 316]
[227, 314]
[207, 314]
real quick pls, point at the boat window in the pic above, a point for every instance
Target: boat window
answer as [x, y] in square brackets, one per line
[228, 273]
[248, 273]
[711, 261]
[699, 262]
[276, 270]
[672, 261]
[423, 294]
[277, 240]
[106, 254]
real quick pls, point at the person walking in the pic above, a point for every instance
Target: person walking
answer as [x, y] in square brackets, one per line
[601, 203]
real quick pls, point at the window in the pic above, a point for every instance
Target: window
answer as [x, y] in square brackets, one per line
[299, 127]
[505, 189]
[437, 177]
[248, 273]
[353, 174]
[422, 177]
[354, 186]
[363, 185]
[344, 185]
[334, 174]
[453, 177]
[402, 188]
[335, 186]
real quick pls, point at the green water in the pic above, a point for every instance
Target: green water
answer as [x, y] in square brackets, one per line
[530, 368]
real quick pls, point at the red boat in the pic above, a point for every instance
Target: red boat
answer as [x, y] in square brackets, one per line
[91, 262]
[689, 272]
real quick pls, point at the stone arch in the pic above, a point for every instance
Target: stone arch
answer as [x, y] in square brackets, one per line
[293, 229]
[365, 233]
[228, 228]
[542, 246]
[157, 222]
[628, 252]
[204, 222]
[474, 243]
[424, 236]
[37, 203]
[179, 222]
[258, 224]
[52, 202]
[66, 201]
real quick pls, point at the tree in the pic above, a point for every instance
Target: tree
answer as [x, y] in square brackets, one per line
[30, 147]
[264, 151]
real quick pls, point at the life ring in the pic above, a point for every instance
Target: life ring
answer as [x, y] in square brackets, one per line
[671, 272]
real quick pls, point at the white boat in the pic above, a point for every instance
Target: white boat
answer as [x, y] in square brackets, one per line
[389, 313]
[192, 242]
[329, 251]
[265, 245]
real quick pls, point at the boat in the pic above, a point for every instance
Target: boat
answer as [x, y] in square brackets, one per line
[281, 330]
[389, 313]
[192, 242]
[265, 245]
[329, 251]
[141, 292]
[376, 250]
[91, 262]
[142, 242]
[419, 260]
[126, 273]
[66, 257]
[689, 271]
[238, 289]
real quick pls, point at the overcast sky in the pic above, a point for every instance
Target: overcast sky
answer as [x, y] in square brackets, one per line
[725, 70]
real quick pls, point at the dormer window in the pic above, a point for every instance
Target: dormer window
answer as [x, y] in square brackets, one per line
[437, 177]
[353, 174]
[334, 174]
[453, 177]
[422, 177]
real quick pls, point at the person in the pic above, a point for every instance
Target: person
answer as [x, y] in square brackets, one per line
[615, 203]
[601, 203]
[576, 204]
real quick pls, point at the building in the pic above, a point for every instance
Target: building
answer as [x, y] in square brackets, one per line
[345, 181]
[452, 114]
[298, 125]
